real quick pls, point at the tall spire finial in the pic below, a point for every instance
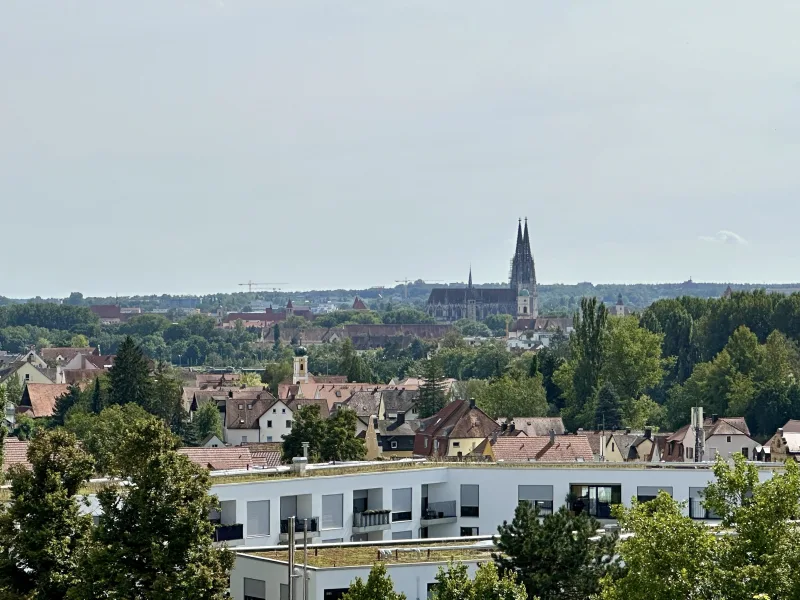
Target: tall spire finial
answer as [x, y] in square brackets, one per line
[470, 276]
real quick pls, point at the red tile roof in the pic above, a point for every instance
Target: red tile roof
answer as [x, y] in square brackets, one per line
[565, 448]
[358, 304]
[15, 453]
[457, 420]
[218, 459]
[267, 459]
[39, 399]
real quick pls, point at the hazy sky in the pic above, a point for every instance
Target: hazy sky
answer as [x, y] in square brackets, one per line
[185, 146]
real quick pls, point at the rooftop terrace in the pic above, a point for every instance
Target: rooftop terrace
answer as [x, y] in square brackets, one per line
[396, 553]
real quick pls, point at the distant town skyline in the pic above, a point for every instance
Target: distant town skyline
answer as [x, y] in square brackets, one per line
[183, 147]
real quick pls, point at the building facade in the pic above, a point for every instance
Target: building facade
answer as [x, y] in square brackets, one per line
[520, 299]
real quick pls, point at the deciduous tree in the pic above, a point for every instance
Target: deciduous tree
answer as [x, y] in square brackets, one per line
[206, 421]
[339, 441]
[308, 427]
[378, 586]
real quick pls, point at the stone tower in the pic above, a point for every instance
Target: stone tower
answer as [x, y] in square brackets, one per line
[472, 313]
[523, 270]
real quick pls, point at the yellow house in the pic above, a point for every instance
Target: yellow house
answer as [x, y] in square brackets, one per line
[28, 372]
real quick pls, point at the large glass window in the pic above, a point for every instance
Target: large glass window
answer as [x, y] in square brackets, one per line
[401, 504]
[470, 500]
[540, 496]
[258, 518]
[596, 500]
[645, 493]
[696, 508]
[332, 511]
[402, 535]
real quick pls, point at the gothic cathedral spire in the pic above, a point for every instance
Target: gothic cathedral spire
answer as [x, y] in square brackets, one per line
[523, 273]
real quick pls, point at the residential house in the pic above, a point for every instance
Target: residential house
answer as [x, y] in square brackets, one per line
[212, 441]
[63, 356]
[366, 404]
[89, 362]
[109, 314]
[217, 380]
[454, 431]
[540, 330]
[28, 372]
[396, 437]
[724, 436]
[539, 448]
[261, 320]
[784, 444]
[533, 426]
[400, 401]
[219, 459]
[295, 404]
[256, 420]
[39, 399]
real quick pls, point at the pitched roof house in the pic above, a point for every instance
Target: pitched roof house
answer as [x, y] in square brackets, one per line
[540, 448]
[456, 430]
[785, 443]
[39, 399]
[15, 452]
[533, 426]
[62, 356]
[724, 436]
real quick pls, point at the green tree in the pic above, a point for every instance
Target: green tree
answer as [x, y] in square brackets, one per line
[339, 441]
[276, 337]
[167, 501]
[609, 408]
[498, 323]
[432, 396]
[206, 421]
[167, 398]
[43, 536]
[64, 403]
[99, 396]
[27, 428]
[308, 427]
[79, 341]
[250, 379]
[454, 583]
[470, 328]
[129, 378]
[14, 389]
[406, 316]
[510, 397]
[276, 373]
[352, 365]
[378, 586]
[556, 556]
[668, 556]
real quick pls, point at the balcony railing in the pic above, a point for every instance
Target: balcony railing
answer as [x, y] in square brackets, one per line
[226, 533]
[439, 511]
[313, 525]
[371, 518]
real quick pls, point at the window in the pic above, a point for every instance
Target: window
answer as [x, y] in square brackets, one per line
[257, 518]
[332, 541]
[288, 424]
[645, 493]
[470, 496]
[729, 439]
[27, 376]
[249, 407]
[269, 424]
[612, 446]
[401, 504]
[426, 442]
[402, 535]
[456, 444]
[596, 500]
[696, 508]
[746, 453]
[284, 591]
[469, 531]
[332, 511]
[241, 407]
[255, 589]
[394, 445]
[690, 453]
[244, 439]
[269, 438]
[540, 496]
[283, 410]
[274, 411]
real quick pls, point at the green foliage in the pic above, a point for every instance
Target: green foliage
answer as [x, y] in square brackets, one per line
[555, 556]
[454, 583]
[339, 441]
[129, 378]
[669, 555]
[297, 322]
[352, 365]
[43, 536]
[470, 328]
[432, 397]
[167, 398]
[275, 373]
[79, 341]
[64, 403]
[309, 427]
[206, 421]
[609, 407]
[27, 428]
[378, 586]
[167, 500]
[341, 317]
[250, 379]
[498, 323]
[513, 397]
[14, 389]
[406, 316]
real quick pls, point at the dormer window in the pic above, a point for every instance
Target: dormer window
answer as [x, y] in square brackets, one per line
[241, 407]
[249, 407]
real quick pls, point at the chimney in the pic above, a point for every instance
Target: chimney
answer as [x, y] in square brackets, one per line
[780, 431]
[552, 436]
[648, 433]
[472, 402]
[714, 418]
[401, 418]
[504, 426]
[511, 427]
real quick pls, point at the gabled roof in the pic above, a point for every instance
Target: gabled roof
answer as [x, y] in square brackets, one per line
[216, 459]
[51, 355]
[295, 404]
[107, 311]
[39, 399]
[564, 448]
[216, 379]
[15, 453]
[242, 413]
[365, 404]
[390, 429]
[457, 420]
[358, 304]
[726, 426]
[101, 362]
[533, 426]
[266, 458]
[399, 399]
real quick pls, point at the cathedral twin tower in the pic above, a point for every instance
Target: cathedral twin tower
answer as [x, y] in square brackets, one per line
[520, 299]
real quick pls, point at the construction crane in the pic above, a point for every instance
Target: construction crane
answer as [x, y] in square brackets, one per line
[252, 284]
[406, 281]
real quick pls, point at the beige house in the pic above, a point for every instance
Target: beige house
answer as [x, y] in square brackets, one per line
[723, 436]
[454, 431]
[785, 443]
[28, 372]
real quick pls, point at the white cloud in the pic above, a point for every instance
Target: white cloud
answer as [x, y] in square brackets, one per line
[725, 237]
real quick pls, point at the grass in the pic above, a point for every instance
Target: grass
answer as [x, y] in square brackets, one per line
[332, 472]
[367, 556]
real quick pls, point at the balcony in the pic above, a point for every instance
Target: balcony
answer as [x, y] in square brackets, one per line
[439, 513]
[313, 529]
[371, 520]
[227, 533]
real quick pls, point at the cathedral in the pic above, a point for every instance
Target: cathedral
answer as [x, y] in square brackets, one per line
[520, 299]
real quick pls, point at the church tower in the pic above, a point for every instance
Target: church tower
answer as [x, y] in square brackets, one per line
[472, 312]
[523, 270]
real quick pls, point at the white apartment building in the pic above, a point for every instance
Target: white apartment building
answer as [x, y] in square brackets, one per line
[439, 501]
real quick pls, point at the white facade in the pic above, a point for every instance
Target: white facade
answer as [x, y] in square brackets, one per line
[728, 445]
[275, 423]
[270, 575]
[497, 491]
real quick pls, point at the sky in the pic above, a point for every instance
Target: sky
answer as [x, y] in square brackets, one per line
[186, 146]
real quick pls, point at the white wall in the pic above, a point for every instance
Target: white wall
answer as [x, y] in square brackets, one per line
[234, 437]
[726, 448]
[278, 415]
[498, 492]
